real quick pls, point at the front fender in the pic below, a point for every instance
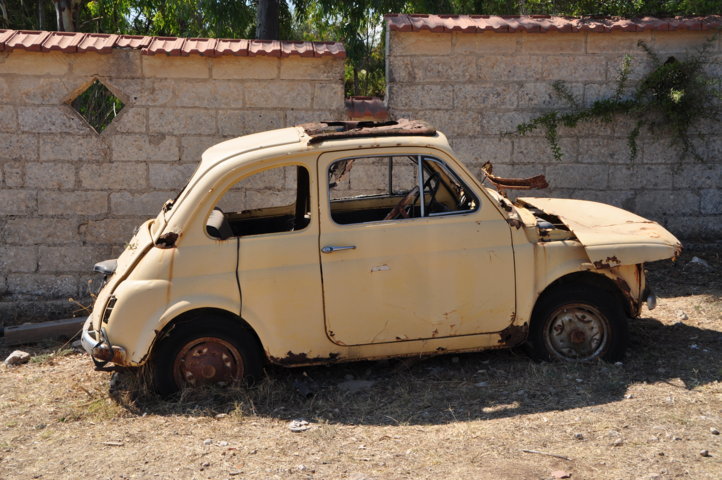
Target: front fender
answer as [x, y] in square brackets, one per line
[148, 332]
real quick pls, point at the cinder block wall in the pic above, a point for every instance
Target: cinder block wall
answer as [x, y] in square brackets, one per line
[478, 86]
[70, 197]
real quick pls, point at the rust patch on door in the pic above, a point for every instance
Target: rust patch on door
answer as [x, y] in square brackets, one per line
[514, 334]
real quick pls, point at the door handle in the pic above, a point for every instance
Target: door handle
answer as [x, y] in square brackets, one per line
[331, 249]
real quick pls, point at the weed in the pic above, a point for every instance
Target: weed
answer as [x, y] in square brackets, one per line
[674, 95]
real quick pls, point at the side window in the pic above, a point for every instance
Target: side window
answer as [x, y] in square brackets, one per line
[271, 201]
[369, 189]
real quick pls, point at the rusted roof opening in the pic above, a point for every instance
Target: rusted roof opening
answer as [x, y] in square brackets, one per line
[76, 42]
[366, 108]
[545, 23]
[337, 130]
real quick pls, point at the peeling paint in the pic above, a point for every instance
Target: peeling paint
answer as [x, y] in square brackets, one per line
[609, 262]
[515, 222]
[167, 240]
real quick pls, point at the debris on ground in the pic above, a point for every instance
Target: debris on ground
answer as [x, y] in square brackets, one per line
[561, 474]
[298, 425]
[697, 264]
[18, 357]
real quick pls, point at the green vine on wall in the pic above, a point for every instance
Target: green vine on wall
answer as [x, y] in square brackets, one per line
[674, 96]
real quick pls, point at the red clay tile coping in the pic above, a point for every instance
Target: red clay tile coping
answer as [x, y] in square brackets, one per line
[366, 107]
[75, 42]
[545, 23]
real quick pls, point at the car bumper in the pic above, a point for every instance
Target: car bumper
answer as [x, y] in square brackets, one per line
[98, 346]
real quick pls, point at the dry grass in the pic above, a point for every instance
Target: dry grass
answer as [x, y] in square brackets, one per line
[465, 416]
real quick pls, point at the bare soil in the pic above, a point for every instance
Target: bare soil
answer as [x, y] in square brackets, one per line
[484, 416]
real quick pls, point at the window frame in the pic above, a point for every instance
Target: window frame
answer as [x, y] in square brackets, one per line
[237, 179]
[420, 180]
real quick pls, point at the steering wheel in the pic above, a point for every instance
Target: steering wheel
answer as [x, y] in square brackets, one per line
[402, 208]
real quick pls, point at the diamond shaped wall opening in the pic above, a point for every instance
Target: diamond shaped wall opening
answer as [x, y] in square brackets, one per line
[97, 105]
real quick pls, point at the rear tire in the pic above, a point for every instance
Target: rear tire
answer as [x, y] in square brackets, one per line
[579, 324]
[204, 351]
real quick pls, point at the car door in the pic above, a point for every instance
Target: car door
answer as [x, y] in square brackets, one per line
[398, 268]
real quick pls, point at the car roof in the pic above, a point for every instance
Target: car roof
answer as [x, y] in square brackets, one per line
[324, 135]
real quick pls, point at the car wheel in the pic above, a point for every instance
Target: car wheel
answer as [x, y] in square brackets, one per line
[204, 351]
[579, 324]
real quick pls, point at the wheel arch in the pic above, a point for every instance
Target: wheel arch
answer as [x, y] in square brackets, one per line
[192, 315]
[586, 278]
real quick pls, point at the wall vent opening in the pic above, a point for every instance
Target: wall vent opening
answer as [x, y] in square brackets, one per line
[97, 105]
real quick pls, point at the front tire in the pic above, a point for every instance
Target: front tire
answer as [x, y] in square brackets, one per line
[579, 324]
[205, 350]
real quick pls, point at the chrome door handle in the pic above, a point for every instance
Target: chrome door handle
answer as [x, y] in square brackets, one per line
[331, 249]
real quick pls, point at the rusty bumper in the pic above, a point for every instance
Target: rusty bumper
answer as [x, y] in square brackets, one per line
[96, 344]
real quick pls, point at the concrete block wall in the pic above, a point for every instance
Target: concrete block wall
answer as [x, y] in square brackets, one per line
[476, 87]
[70, 197]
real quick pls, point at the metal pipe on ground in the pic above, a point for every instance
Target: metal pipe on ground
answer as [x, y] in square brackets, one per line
[35, 332]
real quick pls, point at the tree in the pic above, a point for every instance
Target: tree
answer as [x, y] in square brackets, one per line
[267, 20]
[68, 14]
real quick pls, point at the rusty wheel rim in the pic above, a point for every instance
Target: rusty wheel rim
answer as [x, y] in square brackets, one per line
[577, 332]
[207, 360]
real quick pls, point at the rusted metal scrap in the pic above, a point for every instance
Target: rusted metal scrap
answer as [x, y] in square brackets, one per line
[303, 359]
[338, 130]
[502, 184]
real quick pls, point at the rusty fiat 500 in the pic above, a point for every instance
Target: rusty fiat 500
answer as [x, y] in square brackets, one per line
[343, 241]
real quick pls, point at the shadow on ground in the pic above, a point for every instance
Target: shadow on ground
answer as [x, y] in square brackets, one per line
[487, 385]
[452, 388]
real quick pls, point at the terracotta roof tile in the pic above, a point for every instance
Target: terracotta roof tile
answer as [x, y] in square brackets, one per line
[66, 42]
[545, 23]
[366, 108]
[31, 40]
[169, 45]
[70, 42]
[97, 42]
[232, 46]
[269, 48]
[328, 49]
[460, 23]
[200, 46]
[5, 35]
[132, 41]
[304, 49]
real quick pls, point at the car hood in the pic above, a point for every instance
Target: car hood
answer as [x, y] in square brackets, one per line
[611, 236]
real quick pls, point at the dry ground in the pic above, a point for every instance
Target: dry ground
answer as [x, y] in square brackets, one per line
[451, 417]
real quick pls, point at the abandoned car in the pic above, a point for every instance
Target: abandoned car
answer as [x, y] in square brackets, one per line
[343, 241]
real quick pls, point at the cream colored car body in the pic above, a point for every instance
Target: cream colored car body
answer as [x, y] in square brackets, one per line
[426, 285]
